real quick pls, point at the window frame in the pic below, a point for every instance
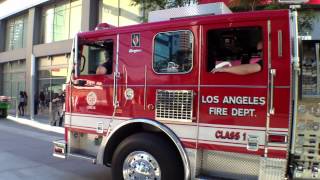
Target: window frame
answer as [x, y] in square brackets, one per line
[260, 29]
[108, 40]
[192, 51]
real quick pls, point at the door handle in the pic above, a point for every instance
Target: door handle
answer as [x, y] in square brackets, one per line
[272, 75]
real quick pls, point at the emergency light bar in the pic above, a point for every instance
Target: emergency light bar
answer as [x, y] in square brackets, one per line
[193, 10]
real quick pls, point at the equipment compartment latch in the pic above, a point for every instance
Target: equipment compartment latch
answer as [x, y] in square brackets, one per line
[253, 143]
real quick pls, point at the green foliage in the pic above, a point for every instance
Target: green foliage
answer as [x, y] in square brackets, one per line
[306, 18]
[306, 21]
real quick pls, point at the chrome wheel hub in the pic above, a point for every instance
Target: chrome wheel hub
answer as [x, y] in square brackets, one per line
[140, 165]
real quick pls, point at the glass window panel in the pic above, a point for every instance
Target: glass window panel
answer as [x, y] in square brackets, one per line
[96, 55]
[48, 25]
[6, 76]
[16, 31]
[59, 60]
[109, 12]
[6, 67]
[61, 22]
[25, 31]
[9, 35]
[129, 14]
[44, 86]
[18, 83]
[19, 77]
[18, 66]
[75, 3]
[75, 18]
[234, 47]
[59, 72]
[44, 74]
[6, 89]
[173, 52]
[56, 86]
[44, 62]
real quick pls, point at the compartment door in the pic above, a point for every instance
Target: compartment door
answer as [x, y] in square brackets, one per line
[280, 89]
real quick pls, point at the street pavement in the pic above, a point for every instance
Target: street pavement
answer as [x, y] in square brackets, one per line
[26, 153]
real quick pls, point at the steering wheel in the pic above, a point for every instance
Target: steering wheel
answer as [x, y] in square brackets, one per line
[223, 64]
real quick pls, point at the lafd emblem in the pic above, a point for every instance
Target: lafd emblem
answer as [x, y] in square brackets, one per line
[135, 40]
[91, 99]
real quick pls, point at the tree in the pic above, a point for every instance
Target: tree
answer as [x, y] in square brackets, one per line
[306, 21]
[306, 17]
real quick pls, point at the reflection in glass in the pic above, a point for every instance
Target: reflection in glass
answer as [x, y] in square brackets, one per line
[59, 73]
[59, 60]
[61, 21]
[128, 14]
[173, 52]
[16, 32]
[44, 73]
[51, 77]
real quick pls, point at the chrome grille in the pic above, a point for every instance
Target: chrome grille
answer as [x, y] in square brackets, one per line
[174, 105]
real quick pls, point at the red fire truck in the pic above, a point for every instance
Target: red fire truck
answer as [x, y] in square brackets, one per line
[198, 93]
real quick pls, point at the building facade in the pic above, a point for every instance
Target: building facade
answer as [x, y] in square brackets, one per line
[36, 39]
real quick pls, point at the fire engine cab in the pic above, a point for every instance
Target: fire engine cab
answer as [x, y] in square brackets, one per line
[198, 92]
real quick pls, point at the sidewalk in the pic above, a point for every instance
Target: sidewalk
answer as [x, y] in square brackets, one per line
[38, 123]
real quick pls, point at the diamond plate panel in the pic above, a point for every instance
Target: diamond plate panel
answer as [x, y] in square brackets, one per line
[272, 169]
[230, 165]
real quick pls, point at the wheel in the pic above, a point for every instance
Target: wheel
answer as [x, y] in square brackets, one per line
[146, 156]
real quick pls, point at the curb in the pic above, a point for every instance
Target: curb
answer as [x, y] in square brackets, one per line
[37, 125]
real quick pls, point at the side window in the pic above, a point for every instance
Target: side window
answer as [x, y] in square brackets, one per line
[235, 50]
[97, 58]
[173, 52]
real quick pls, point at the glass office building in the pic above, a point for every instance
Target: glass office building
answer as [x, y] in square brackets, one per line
[37, 43]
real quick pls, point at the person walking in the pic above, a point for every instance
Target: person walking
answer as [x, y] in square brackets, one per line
[42, 99]
[21, 103]
[57, 109]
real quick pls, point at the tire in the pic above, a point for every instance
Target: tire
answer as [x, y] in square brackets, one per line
[153, 151]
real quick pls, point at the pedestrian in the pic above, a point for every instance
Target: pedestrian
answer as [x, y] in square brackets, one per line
[25, 98]
[36, 105]
[62, 108]
[57, 109]
[21, 103]
[42, 99]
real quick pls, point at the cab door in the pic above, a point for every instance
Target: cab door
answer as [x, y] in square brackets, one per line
[233, 102]
[92, 93]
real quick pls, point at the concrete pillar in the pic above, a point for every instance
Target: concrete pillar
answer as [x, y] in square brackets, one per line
[89, 15]
[33, 33]
[2, 35]
[2, 47]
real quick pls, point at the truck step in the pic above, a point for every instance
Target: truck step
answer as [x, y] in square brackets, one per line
[203, 177]
[85, 157]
